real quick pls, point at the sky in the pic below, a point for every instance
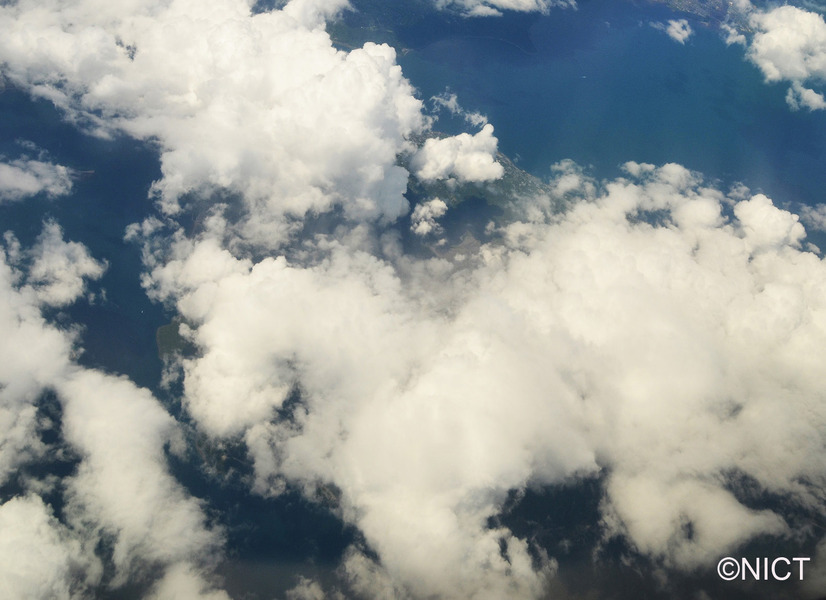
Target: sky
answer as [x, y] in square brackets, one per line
[655, 333]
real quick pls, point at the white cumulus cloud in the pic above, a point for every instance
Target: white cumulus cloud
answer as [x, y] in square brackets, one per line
[22, 178]
[450, 102]
[674, 354]
[260, 105]
[467, 157]
[424, 217]
[790, 45]
[60, 269]
[122, 491]
[39, 555]
[679, 30]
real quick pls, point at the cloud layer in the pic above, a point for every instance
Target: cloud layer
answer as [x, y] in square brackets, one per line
[790, 45]
[658, 333]
[467, 157]
[24, 177]
[121, 493]
[493, 8]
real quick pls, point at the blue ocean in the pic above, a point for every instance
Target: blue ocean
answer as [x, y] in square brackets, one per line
[602, 86]
[599, 85]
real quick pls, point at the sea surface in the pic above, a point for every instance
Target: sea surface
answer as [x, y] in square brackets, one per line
[599, 85]
[109, 192]
[602, 86]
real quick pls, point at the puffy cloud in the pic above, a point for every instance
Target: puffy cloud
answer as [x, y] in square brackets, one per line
[306, 590]
[39, 557]
[468, 157]
[733, 35]
[687, 522]
[657, 331]
[814, 217]
[182, 581]
[764, 226]
[569, 180]
[351, 339]
[122, 491]
[315, 13]
[679, 30]
[790, 45]
[697, 324]
[112, 424]
[801, 97]
[59, 269]
[260, 105]
[424, 216]
[23, 177]
[32, 354]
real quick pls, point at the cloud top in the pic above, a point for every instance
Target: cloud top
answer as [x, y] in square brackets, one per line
[257, 105]
[659, 332]
[121, 494]
[24, 177]
[494, 8]
[467, 157]
[790, 45]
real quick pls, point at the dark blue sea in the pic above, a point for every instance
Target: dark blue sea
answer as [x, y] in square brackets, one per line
[601, 86]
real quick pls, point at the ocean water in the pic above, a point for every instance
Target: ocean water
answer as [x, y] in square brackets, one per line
[119, 326]
[601, 86]
[269, 541]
